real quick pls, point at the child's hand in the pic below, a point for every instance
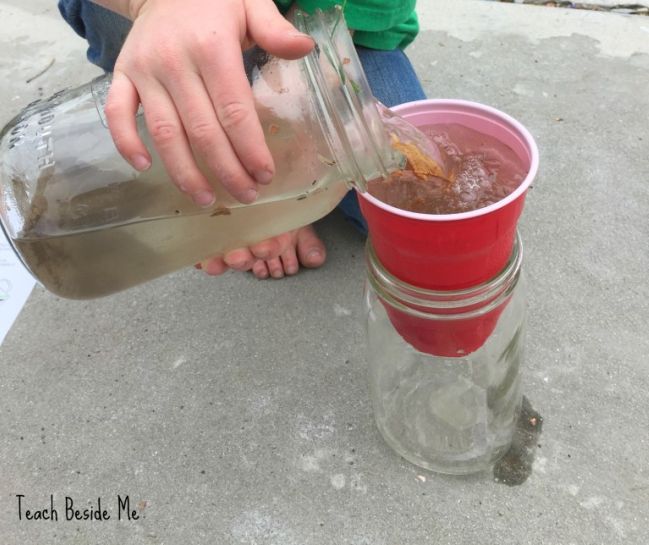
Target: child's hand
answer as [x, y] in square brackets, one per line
[182, 60]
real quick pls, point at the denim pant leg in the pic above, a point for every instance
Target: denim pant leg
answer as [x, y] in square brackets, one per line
[104, 30]
[389, 73]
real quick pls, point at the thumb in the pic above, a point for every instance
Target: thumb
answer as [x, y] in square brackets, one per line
[272, 32]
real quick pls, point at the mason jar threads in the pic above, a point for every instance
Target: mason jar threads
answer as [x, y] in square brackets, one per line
[444, 366]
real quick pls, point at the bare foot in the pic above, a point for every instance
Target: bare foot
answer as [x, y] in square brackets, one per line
[275, 257]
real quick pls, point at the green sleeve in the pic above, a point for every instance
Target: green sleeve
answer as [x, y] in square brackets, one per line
[377, 24]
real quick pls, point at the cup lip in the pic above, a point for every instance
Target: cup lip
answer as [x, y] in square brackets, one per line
[478, 108]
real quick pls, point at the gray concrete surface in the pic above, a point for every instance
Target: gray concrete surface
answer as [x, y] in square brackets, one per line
[235, 411]
[613, 5]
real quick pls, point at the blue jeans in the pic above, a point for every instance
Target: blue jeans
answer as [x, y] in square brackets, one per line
[389, 73]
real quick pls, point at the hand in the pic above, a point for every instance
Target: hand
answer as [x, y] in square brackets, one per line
[182, 61]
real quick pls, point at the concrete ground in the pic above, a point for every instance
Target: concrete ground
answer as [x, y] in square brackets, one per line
[599, 5]
[233, 411]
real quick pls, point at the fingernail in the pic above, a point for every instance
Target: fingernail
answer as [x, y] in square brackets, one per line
[140, 162]
[249, 196]
[263, 177]
[297, 34]
[291, 269]
[314, 254]
[198, 266]
[204, 198]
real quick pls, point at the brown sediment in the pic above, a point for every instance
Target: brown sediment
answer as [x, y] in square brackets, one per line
[421, 186]
[404, 189]
[221, 211]
[422, 165]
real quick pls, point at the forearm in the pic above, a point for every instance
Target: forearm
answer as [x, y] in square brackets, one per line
[126, 8]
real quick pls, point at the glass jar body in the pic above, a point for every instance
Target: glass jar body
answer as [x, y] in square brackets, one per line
[86, 224]
[453, 415]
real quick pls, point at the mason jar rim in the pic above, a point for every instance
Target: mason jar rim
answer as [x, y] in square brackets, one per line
[319, 26]
[444, 304]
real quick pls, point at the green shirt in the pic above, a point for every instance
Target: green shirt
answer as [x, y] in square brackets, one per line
[377, 24]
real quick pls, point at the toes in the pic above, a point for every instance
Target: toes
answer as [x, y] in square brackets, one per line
[214, 266]
[272, 247]
[310, 249]
[275, 267]
[240, 259]
[289, 261]
[266, 249]
[275, 257]
[260, 270]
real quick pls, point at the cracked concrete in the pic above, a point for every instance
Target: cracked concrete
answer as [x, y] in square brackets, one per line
[630, 8]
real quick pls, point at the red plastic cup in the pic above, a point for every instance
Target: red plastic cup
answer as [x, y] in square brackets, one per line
[452, 251]
[449, 323]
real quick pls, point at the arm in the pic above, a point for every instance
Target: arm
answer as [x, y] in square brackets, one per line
[182, 61]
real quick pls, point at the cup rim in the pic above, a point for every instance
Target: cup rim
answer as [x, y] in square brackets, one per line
[478, 107]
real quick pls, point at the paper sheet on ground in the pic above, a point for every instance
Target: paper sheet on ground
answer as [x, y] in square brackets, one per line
[15, 286]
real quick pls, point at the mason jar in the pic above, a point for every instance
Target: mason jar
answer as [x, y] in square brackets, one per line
[444, 366]
[87, 224]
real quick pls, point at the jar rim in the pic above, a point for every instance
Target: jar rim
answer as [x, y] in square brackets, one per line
[444, 304]
[334, 44]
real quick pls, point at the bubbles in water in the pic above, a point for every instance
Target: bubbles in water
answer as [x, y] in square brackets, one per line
[481, 170]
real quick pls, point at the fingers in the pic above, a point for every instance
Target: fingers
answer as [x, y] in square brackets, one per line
[272, 32]
[121, 108]
[197, 101]
[168, 135]
[210, 143]
[235, 111]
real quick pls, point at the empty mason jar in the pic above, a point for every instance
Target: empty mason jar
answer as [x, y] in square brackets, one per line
[444, 366]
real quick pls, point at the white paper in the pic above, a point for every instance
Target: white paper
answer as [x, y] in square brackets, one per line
[15, 286]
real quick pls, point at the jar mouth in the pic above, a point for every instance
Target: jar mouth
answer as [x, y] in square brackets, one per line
[449, 304]
[348, 109]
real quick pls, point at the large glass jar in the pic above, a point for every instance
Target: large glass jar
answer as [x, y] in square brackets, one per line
[444, 366]
[86, 224]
